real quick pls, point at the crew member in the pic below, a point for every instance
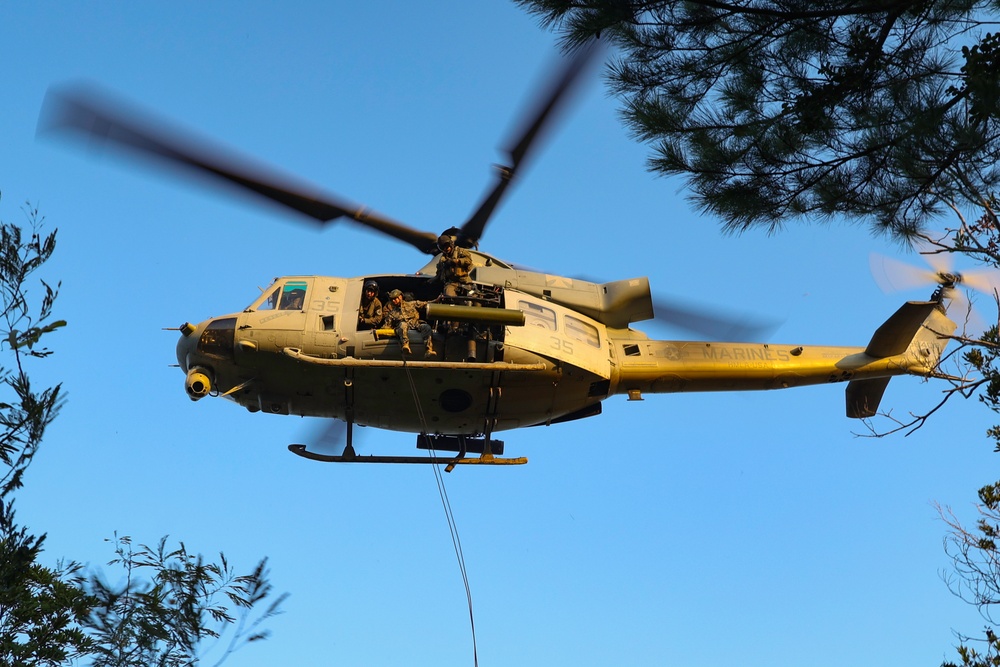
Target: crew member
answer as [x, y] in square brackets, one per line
[453, 267]
[370, 312]
[402, 316]
[292, 300]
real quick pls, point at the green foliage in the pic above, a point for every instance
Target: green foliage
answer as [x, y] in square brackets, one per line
[976, 575]
[975, 572]
[777, 109]
[24, 413]
[163, 621]
[41, 608]
[983, 360]
[50, 616]
[981, 78]
[987, 656]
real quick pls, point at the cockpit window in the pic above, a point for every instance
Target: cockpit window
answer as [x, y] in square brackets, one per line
[293, 295]
[288, 296]
[271, 301]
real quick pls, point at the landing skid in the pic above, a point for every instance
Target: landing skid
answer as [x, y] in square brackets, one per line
[350, 457]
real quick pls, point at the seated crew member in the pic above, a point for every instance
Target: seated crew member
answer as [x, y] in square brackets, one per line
[292, 300]
[402, 316]
[370, 312]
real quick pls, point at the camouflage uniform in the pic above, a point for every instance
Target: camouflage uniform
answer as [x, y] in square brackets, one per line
[453, 270]
[404, 317]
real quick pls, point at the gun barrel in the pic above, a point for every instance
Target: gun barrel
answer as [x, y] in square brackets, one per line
[456, 313]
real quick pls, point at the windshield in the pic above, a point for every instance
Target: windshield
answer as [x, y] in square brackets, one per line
[283, 295]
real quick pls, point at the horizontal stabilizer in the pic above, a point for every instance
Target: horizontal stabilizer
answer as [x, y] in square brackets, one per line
[863, 397]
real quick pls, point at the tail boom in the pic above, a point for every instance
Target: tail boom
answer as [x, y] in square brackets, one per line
[909, 343]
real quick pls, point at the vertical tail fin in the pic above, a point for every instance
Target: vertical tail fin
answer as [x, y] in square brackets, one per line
[917, 333]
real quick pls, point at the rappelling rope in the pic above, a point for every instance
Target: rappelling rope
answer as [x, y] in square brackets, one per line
[456, 542]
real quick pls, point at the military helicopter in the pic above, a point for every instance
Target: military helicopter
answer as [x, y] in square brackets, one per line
[520, 348]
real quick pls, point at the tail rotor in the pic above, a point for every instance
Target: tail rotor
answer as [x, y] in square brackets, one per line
[892, 275]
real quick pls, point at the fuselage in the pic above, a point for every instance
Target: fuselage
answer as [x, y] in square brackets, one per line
[301, 349]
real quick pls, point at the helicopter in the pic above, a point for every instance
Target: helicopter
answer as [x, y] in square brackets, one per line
[517, 348]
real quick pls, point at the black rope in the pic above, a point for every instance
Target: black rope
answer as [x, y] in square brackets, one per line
[456, 541]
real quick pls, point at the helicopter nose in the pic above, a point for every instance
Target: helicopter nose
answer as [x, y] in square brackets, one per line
[186, 345]
[198, 382]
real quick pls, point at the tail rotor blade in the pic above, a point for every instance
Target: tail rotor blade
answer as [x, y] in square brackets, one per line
[932, 253]
[892, 275]
[986, 281]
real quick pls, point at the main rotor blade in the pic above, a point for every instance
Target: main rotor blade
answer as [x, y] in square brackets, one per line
[328, 436]
[520, 148]
[84, 112]
[735, 329]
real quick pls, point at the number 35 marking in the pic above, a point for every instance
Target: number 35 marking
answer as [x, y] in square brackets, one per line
[561, 345]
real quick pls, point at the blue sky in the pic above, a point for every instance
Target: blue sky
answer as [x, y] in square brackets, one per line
[714, 528]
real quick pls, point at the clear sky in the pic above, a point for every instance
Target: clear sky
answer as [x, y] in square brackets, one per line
[713, 529]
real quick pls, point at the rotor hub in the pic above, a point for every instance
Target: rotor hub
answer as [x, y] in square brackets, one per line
[949, 280]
